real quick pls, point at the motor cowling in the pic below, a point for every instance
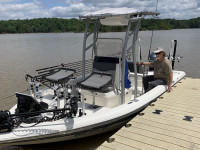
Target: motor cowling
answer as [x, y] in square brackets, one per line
[152, 57]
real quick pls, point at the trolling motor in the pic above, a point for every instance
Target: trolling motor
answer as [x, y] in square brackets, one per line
[6, 123]
[9, 121]
[27, 115]
[29, 110]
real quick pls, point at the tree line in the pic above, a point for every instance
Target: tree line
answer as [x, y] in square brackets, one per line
[48, 25]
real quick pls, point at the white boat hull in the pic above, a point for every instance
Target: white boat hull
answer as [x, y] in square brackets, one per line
[103, 120]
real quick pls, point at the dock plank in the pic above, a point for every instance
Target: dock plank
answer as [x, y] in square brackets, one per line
[175, 117]
[127, 142]
[172, 122]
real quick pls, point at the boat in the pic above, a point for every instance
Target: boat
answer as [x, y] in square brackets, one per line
[97, 95]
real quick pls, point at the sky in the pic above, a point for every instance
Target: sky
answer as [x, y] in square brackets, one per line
[28, 9]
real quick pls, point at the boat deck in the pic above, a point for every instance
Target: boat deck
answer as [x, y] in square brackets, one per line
[172, 122]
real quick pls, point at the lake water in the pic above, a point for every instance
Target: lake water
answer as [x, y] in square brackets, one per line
[24, 53]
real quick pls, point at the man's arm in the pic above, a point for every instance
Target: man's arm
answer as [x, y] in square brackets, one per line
[145, 63]
[170, 82]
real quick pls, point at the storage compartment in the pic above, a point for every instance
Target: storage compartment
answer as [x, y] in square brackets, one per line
[109, 99]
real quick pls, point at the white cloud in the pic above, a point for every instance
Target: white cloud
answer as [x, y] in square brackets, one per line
[73, 10]
[60, 11]
[178, 9]
[13, 9]
[18, 7]
[78, 7]
[7, 1]
[22, 11]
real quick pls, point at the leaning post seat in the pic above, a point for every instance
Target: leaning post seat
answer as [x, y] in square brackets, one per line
[62, 75]
[103, 74]
[97, 81]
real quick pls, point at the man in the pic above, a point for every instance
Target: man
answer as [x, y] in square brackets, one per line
[163, 74]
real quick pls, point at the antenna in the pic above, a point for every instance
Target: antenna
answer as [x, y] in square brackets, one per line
[157, 6]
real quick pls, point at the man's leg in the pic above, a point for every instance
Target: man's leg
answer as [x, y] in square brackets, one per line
[146, 80]
[155, 83]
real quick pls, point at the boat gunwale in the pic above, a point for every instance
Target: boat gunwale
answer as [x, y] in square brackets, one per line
[103, 124]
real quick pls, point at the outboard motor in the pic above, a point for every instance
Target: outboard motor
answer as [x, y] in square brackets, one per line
[152, 57]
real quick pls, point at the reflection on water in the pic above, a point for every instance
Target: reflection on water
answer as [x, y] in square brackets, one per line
[89, 143]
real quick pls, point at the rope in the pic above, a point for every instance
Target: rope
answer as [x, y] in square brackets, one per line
[36, 121]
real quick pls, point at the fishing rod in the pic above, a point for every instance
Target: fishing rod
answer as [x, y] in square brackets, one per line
[152, 35]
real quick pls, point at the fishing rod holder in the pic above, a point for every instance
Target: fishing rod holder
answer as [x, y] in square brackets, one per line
[34, 86]
[72, 96]
[172, 55]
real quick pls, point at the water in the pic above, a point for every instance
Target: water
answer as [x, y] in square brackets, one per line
[24, 53]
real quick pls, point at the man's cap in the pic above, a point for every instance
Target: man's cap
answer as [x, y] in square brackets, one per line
[159, 50]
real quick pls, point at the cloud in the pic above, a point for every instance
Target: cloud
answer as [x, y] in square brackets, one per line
[23, 9]
[128, 3]
[7, 1]
[178, 9]
[76, 7]
[74, 10]
[60, 11]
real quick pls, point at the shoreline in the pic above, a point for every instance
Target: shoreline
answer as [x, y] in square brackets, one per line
[4, 33]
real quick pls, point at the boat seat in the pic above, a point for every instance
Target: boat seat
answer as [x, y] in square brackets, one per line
[97, 81]
[102, 75]
[61, 76]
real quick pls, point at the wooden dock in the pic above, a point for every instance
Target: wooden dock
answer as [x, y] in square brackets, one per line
[170, 123]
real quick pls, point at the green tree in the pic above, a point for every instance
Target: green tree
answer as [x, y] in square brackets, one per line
[11, 29]
[75, 25]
